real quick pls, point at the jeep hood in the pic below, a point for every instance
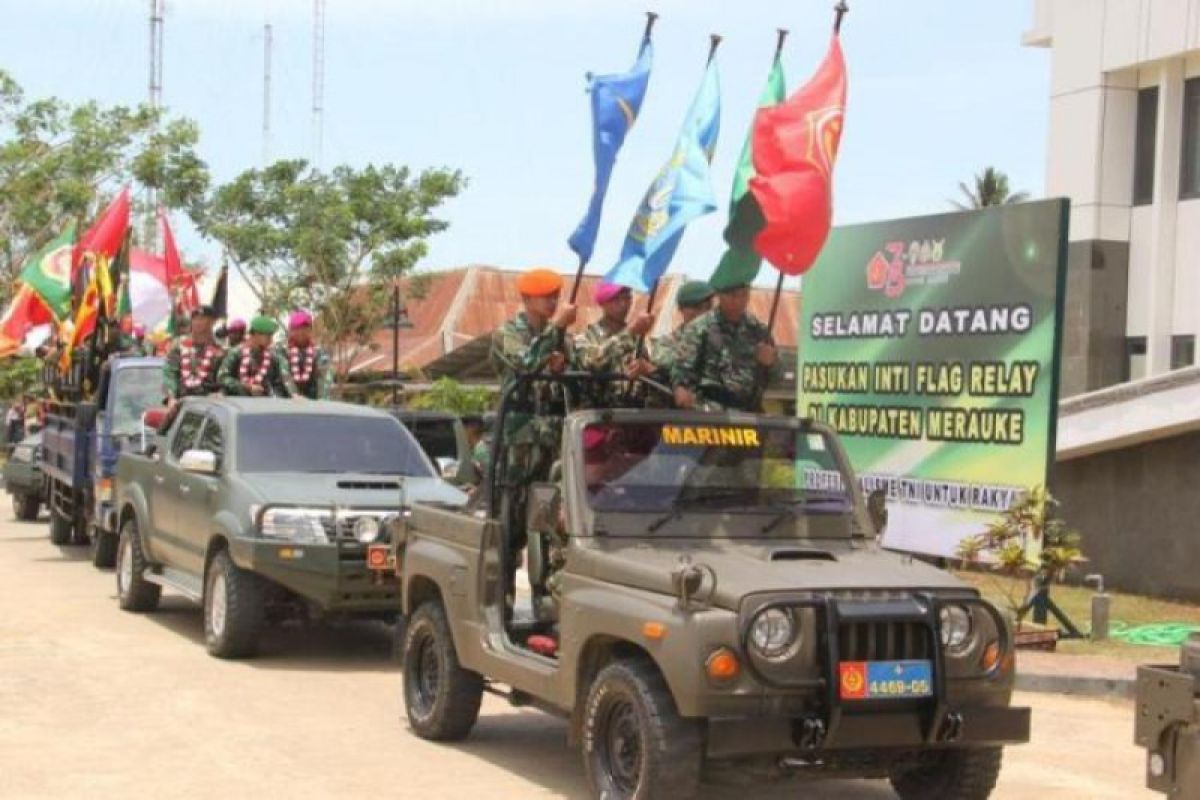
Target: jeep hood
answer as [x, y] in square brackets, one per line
[349, 490]
[745, 567]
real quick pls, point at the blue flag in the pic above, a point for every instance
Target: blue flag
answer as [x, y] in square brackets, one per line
[681, 193]
[616, 101]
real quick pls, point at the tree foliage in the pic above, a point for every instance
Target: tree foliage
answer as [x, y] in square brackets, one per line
[329, 241]
[447, 394]
[19, 376]
[61, 162]
[988, 188]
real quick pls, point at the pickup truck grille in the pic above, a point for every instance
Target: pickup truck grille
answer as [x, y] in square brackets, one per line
[343, 527]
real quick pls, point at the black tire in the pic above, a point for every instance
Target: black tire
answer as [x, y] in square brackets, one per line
[968, 774]
[134, 592]
[79, 533]
[440, 697]
[104, 549]
[234, 609]
[27, 506]
[62, 529]
[635, 744]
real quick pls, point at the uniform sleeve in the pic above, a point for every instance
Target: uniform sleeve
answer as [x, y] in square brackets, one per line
[279, 379]
[227, 376]
[511, 355]
[598, 353]
[171, 373]
[324, 375]
[685, 371]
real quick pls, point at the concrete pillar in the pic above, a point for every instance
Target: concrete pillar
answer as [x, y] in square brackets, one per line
[1161, 294]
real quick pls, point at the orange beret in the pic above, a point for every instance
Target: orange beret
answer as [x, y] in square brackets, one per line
[539, 283]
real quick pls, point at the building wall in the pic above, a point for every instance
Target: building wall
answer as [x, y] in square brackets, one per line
[1137, 509]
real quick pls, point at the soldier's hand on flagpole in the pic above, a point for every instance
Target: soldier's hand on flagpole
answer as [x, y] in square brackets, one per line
[765, 354]
[641, 324]
[684, 398]
[638, 368]
[565, 316]
[557, 362]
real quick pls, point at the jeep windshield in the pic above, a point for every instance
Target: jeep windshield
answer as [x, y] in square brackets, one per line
[669, 470]
[313, 443]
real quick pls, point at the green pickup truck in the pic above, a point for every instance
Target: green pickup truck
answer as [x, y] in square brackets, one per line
[261, 509]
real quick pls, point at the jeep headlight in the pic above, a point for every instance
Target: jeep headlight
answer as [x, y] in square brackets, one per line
[296, 524]
[956, 627]
[773, 634]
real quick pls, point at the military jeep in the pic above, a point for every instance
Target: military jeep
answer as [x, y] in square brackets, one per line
[707, 601]
[1168, 723]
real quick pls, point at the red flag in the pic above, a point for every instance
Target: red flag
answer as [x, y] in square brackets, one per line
[107, 232]
[179, 279]
[795, 147]
[26, 311]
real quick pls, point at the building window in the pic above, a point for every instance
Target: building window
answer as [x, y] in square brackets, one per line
[1183, 351]
[1189, 167]
[1135, 358]
[1143, 147]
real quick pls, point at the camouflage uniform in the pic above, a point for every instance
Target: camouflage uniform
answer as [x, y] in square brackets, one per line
[272, 383]
[601, 350]
[715, 359]
[174, 381]
[319, 385]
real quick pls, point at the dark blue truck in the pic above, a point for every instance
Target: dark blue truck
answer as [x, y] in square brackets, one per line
[80, 444]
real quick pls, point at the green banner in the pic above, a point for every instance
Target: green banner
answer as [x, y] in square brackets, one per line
[931, 344]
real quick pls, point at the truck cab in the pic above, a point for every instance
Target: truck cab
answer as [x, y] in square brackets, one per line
[706, 597]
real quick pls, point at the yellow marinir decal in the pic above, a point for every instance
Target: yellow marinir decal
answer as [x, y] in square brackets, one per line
[710, 436]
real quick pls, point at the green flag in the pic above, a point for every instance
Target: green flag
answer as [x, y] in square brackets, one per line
[48, 273]
[741, 266]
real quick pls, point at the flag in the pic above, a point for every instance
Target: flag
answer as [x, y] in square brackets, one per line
[88, 313]
[616, 101]
[220, 295]
[179, 279]
[48, 273]
[740, 265]
[107, 233]
[26, 311]
[149, 297]
[790, 203]
[681, 193]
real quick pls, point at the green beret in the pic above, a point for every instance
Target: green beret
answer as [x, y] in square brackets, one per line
[264, 325]
[693, 293]
[728, 284]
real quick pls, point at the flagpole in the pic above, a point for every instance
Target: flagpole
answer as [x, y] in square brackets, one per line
[840, 10]
[651, 18]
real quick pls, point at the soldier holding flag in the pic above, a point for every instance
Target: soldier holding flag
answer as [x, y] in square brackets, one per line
[610, 346]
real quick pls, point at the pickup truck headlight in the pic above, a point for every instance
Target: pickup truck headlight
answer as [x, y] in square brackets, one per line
[296, 524]
[773, 634]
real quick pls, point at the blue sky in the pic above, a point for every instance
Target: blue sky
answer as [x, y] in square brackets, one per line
[938, 90]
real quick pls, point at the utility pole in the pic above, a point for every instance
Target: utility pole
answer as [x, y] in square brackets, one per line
[318, 78]
[149, 226]
[266, 114]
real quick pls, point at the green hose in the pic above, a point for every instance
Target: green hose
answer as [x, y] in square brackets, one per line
[1161, 634]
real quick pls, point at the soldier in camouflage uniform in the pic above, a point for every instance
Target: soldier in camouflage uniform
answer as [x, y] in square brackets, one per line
[254, 369]
[609, 346]
[307, 371]
[693, 299]
[534, 341]
[725, 358]
[193, 361]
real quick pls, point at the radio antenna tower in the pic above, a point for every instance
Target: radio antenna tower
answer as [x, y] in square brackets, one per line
[318, 78]
[266, 112]
[157, 7]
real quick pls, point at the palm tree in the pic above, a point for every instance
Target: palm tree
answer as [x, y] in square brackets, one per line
[991, 189]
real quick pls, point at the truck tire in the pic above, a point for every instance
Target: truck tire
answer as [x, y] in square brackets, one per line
[79, 533]
[967, 774]
[62, 529]
[234, 609]
[440, 697]
[635, 744]
[26, 507]
[134, 592]
[104, 549]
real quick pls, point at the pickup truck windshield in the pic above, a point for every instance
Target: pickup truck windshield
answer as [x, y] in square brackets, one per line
[320, 443]
[715, 468]
[133, 390]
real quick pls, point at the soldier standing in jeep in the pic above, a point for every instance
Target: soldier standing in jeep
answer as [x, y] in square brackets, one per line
[254, 369]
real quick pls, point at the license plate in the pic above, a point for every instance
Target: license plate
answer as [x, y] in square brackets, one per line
[884, 680]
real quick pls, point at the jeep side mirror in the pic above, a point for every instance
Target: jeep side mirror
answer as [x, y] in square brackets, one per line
[200, 462]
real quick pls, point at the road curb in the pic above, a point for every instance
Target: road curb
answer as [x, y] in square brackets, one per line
[1082, 685]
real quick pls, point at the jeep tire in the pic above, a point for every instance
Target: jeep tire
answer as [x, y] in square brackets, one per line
[62, 529]
[234, 609]
[26, 506]
[966, 774]
[134, 592]
[104, 549]
[635, 744]
[441, 698]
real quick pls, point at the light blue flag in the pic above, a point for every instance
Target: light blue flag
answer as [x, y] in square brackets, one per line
[616, 101]
[681, 193]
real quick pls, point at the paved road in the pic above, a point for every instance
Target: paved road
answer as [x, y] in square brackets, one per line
[99, 703]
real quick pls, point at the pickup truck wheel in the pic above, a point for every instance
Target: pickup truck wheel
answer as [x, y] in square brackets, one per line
[26, 507]
[635, 744]
[440, 697]
[61, 528]
[962, 774]
[134, 592]
[104, 549]
[234, 610]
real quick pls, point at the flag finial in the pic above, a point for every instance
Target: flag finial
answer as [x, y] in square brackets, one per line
[651, 18]
[840, 10]
[783, 34]
[714, 40]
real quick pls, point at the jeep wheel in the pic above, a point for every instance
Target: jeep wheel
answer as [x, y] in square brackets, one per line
[134, 592]
[441, 698]
[961, 774]
[61, 528]
[26, 507]
[104, 549]
[234, 609]
[635, 744]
